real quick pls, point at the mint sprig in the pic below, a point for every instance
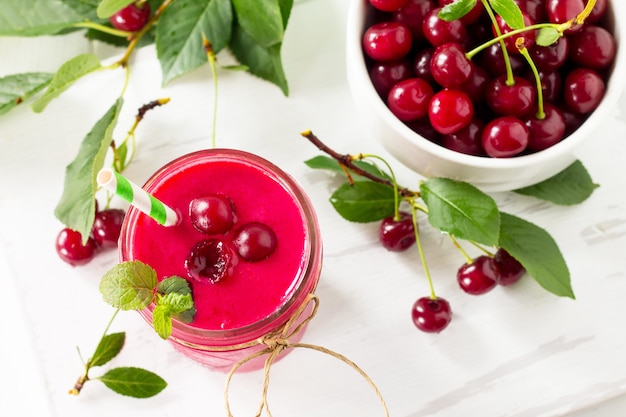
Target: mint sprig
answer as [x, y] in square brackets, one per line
[460, 210]
[133, 285]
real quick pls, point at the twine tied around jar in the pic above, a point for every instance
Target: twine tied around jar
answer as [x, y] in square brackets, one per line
[277, 341]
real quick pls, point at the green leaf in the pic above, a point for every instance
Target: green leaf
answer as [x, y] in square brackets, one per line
[67, 74]
[285, 10]
[176, 302]
[462, 210]
[76, 208]
[108, 348]
[133, 382]
[264, 62]
[162, 320]
[179, 34]
[364, 201]
[537, 251]
[456, 9]
[509, 11]
[262, 20]
[176, 285]
[331, 164]
[129, 285]
[36, 17]
[571, 186]
[177, 294]
[17, 88]
[108, 8]
[547, 36]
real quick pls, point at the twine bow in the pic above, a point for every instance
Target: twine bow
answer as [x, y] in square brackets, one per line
[278, 341]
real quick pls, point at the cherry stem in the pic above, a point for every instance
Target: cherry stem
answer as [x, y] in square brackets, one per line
[103, 28]
[455, 242]
[580, 19]
[80, 382]
[505, 54]
[541, 114]
[135, 37]
[396, 213]
[346, 161]
[420, 249]
[210, 53]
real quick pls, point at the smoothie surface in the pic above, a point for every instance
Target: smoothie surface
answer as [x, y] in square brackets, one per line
[252, 290]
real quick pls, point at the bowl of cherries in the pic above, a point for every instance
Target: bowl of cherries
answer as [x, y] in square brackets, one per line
[500, 94]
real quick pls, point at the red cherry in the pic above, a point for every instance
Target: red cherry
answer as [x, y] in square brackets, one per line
[545, 132]
[431, 315]
[387, 41]
[450, 111]
[132, 17]
[388, 5]
[397, 235]
[210, 260]
[509, 269]
[70, 248]
[255, 241]
[107, 226]
[479, 276]
[505, 137]
[409, 99]
[385, 74]
[449, 66]
[212, 214]
[583, 90]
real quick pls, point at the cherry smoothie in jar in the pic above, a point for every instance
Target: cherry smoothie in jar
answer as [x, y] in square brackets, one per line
[261, 259]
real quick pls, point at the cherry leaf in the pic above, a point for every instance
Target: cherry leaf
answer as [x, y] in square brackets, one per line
[363, 201]
[76, 208]
[108, 348]
[17, 88]
[537, 251]
[108, 8]
[133, 382]
[456, 9]
[509, 11]
[264, 62]
[129, 285]
[462, 210]
[330, 164]
[36, 17]
[66, 75]
[180, 30]
[262, 20]
[571, 186]
[547, 36]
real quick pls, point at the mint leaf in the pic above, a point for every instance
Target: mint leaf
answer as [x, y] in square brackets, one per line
[364, 201]
[108, 348]
[176, 302]
[571, 186]
[176, 285]
[456, 9]
[462, 210]
[70, 72]
[36, 17]
[17, 88]
[162, 320]
[537, 251]
[262, 20]
[331, 164]
[179, 34]
[76, 208]
[547, 36]
[509, 11]
[129, 285]
[263, 61]
[133, 382]
[108, 8]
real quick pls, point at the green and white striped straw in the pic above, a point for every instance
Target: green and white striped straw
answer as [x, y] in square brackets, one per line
[137, 196]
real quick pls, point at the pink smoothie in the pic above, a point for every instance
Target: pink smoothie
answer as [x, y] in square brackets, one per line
[255, 297]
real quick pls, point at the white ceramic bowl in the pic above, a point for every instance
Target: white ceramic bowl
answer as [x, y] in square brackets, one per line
[432, 160]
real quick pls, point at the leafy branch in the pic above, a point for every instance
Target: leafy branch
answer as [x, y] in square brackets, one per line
[133, 286]
[460, 210]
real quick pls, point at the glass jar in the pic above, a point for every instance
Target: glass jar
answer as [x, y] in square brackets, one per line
[260, 192]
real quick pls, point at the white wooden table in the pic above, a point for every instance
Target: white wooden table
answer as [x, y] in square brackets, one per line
[518, 352]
